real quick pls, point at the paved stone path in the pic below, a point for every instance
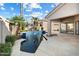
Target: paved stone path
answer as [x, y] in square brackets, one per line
[61, 45]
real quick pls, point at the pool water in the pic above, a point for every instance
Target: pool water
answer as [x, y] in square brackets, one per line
[32, 41]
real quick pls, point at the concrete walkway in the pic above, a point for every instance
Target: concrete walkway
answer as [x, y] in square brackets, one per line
[61, 45]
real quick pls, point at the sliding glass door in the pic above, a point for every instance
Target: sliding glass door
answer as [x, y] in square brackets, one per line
[70, 27]
[77, 28]
[63, 28]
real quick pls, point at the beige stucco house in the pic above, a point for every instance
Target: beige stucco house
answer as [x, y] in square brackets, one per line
[65, 18]
[4, 29]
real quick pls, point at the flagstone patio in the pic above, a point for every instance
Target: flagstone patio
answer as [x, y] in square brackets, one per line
[60, 45]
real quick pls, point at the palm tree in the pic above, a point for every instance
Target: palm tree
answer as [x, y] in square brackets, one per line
[21, 9]
[19, 21]
[35, 21]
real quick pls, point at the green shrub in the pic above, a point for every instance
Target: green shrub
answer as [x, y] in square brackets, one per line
[5, 49]
[11, 39]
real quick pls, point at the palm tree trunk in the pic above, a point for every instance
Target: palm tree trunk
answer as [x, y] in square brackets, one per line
[21, 14]
[18, 29]
[21, 9]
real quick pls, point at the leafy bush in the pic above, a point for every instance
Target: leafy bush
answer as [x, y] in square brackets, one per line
[11, 39]
[5, 49]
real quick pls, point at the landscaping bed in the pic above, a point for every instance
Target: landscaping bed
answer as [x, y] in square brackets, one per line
[5, 49]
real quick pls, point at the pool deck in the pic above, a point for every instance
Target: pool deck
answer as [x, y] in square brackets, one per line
[60, 45]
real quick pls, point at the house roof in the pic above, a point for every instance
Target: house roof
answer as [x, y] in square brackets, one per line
[3, 19]
[54, 10]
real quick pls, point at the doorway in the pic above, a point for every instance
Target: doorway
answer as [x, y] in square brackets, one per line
[70, 28]
[63, 28]
[77, 28]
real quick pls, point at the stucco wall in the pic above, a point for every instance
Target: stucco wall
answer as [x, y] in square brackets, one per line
[0, 32]
[45, 25]
[67, 9]
[4, 31]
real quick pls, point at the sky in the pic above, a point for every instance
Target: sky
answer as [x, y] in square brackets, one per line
[39, 10]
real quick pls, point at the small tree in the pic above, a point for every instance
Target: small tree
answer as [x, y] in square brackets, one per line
[19, 21]
[35, 22]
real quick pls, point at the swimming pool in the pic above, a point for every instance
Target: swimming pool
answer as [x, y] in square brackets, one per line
[32, 41]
